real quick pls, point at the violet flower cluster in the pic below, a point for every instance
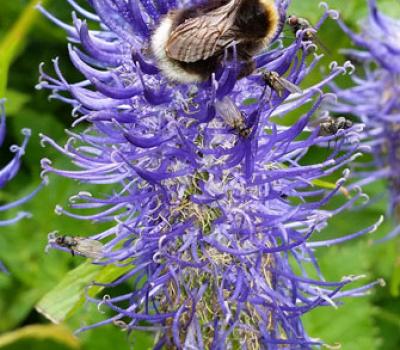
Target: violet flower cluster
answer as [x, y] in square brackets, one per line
[10, 170]
[374, 100]
[213, 220]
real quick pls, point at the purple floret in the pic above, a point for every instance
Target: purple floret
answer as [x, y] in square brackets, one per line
[213, 219]
[374, 99]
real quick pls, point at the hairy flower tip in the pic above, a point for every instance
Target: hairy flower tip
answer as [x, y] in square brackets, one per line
[211, 196]
[9, 170]
[374, 100]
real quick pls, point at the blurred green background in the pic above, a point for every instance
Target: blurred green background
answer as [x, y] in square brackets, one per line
[26, 39]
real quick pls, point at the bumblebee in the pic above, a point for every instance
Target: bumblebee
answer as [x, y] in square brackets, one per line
[189, 44]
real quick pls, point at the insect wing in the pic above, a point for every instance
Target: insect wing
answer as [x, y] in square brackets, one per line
[201, 37]
[229, 112]
[289, 86]
[89, 248]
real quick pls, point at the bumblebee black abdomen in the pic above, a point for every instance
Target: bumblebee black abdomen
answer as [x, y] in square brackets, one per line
[253, 20]
[202, 68]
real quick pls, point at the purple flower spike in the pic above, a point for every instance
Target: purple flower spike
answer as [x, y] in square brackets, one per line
[213, 204]
[374, 99]
[9, 170]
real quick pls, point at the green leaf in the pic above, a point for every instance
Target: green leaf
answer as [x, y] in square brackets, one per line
[56, 333]
[351, 324]
[14, 40]
[309, 9]
[395, 280]
[111, 337]
[387, 319]
[15, 101]
[67, 297]
[16, 302]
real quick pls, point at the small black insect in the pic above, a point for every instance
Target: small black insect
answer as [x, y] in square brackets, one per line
[86, 247]
[233, 117]
[298, 23]
[309, 32]
[279, 84]
[331, 126]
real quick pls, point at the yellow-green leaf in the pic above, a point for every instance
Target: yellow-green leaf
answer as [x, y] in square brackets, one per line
[13, 41]
[329, 186]
[395, 280]
[53, 332]
[69, 295]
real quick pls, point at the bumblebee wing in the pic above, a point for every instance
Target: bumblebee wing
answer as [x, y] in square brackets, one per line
[89, 248]
[202, 37]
